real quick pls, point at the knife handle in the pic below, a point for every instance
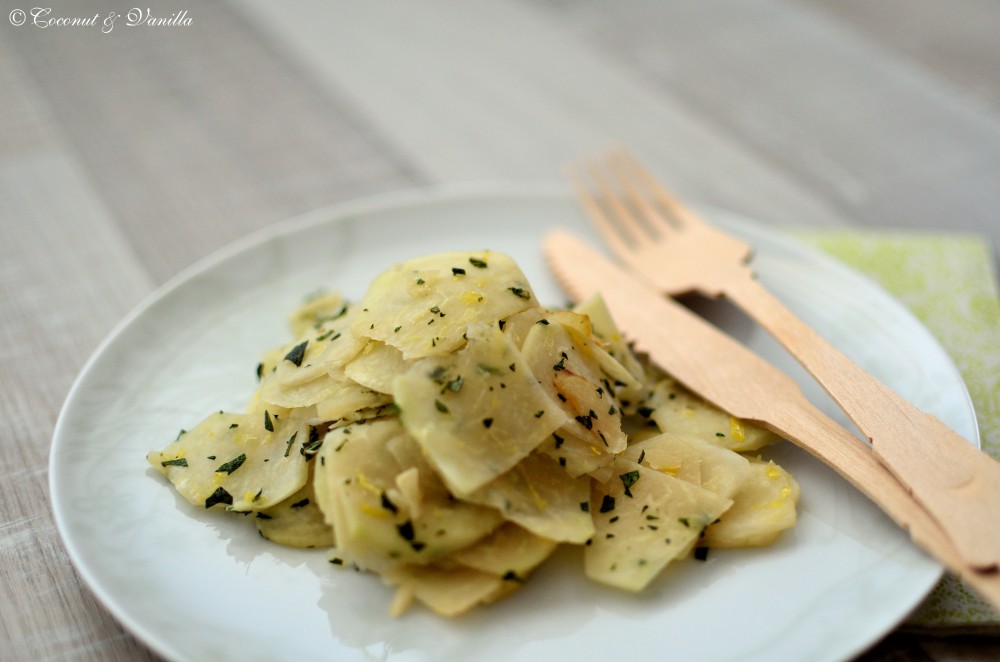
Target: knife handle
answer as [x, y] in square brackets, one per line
[812, 430]
[957, 483]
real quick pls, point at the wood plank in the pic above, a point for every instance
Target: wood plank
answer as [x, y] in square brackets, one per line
[417, 69]
[955, 40]
[66, 276]
[198, 135]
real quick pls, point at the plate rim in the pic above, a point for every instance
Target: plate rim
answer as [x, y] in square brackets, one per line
[338, 213]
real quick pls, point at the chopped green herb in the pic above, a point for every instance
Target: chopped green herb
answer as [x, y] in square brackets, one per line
[562, 363]
[260, 371]
[233, 464]
[628, 480]
[487, 423]
[520, 292]
[585, 506]
[511, 576]
[179, 462]
[312, 446]
[297, 353]
[234, 425]
[388, 504]
[440, 406]
[406, 530]
[220, 495]
[476, 262]
[608, 503]
[268, 425]
[646, 412]
[458, 271]
[288, 444]
[301, 504]
[438, 375]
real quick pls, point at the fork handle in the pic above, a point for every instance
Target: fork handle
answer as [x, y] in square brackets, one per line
[957, 483]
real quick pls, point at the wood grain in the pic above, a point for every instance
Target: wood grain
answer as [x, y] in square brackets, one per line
[550, 98]
[954, 41]
[200, 135]
[66, 276]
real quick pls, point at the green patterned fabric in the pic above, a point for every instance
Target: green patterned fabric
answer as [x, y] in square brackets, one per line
[949, 282]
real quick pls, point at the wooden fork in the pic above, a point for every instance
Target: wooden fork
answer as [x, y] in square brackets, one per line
[667, 244]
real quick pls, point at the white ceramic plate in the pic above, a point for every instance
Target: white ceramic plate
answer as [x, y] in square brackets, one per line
[198, 585]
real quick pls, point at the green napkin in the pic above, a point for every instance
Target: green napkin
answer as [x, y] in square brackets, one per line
[949, 282]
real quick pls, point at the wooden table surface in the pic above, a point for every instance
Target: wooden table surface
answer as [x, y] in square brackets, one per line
[126, 155]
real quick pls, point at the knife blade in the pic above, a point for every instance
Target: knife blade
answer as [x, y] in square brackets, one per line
[727, 374]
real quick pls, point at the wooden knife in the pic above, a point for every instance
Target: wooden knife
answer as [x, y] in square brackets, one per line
[725, 373]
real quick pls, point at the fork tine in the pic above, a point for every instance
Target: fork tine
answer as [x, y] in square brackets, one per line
[629, 225]
[619, 163]
[597, 215]
[682, 214]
